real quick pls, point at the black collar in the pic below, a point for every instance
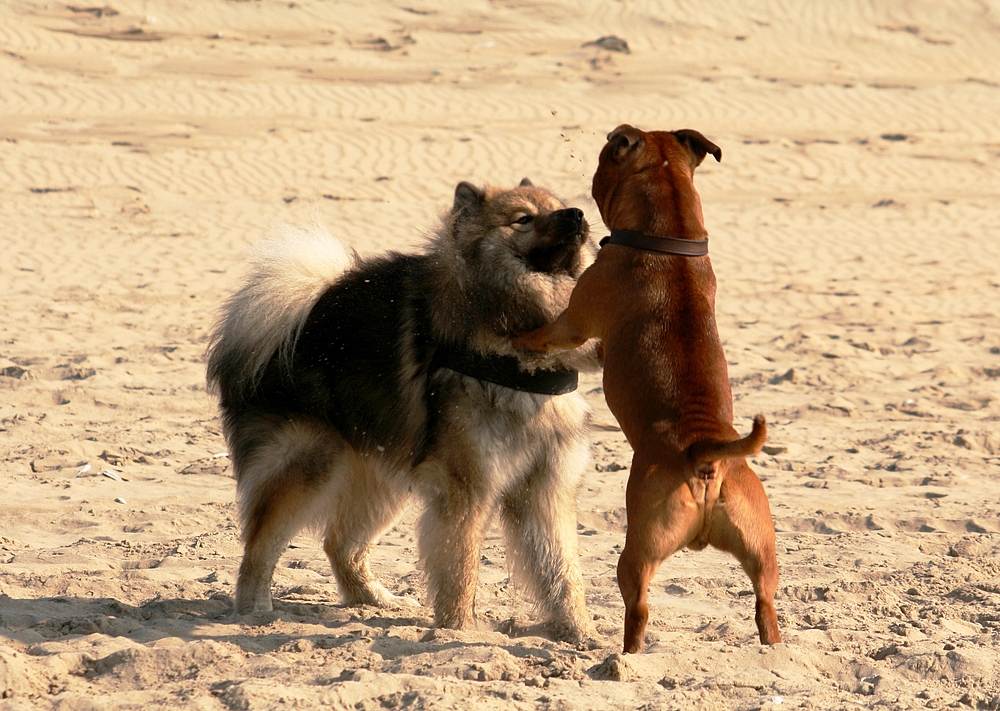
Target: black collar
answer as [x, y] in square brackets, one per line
[668, 245]
[505, 371]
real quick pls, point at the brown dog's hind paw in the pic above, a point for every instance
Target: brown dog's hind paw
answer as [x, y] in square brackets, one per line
[767, 623]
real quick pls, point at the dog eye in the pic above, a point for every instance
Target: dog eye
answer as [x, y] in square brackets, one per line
[524, 220]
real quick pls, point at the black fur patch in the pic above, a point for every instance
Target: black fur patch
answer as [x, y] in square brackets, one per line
[362, 365]
[360, 361]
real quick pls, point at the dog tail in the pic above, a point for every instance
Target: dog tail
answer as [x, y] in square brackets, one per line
[287, 274]
[704, 454]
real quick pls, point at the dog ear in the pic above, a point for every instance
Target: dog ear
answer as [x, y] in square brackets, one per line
[525, 183]
[468, 197]
[623, 139]
[697, 145]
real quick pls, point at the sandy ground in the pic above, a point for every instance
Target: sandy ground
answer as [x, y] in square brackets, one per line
[855, 234]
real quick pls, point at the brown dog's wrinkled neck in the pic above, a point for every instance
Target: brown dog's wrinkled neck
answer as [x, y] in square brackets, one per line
[661, 166]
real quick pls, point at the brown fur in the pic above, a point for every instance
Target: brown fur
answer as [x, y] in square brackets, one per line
[665, 376]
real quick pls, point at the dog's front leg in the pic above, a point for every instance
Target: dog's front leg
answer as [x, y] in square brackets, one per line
[574, 326]
[451, 533]
[539, 527]
[561, 334]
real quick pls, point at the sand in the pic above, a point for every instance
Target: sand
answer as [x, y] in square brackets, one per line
[144, 145]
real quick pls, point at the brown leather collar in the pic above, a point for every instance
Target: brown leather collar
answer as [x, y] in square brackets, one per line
[668, 245]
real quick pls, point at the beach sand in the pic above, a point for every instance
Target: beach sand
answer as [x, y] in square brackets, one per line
[145, 145]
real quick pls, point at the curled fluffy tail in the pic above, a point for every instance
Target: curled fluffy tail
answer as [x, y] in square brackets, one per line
[705, 453]
[286, 275]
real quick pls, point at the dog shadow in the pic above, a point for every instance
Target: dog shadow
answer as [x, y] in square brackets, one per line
[391, 641]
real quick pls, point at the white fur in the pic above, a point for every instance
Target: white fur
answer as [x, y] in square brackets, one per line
[287, 274]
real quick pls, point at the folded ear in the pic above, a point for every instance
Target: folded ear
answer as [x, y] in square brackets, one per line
[468, 197]
[697, 145]
[525, 183]
[623, 139]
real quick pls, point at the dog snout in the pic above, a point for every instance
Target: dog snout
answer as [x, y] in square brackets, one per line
[559, 236]
[571, 218]
[564, 226]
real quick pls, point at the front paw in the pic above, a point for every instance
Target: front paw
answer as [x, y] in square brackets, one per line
[583, 637]
[530, 342]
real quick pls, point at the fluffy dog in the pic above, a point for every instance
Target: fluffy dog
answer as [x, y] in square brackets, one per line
[650, 298]
[347, 385]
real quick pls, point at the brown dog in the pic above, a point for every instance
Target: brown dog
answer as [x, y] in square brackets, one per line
[650, 298]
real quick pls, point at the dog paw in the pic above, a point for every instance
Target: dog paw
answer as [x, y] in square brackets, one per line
[250, 607]
[403, 601]
[584, 638]
[526, 343]
[384, 598]
[258, 618]
[376, 595]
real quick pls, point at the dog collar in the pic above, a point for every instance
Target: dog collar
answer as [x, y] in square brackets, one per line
[505, 371]
[653, 243]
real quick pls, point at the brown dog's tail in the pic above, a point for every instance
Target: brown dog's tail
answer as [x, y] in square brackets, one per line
[704, 454]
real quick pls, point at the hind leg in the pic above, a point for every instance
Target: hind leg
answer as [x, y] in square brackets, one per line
[742, 525]
[279, 470]
[661, 518]
[539, 527]
[265, 541]
[644, 552]
[364, 507]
